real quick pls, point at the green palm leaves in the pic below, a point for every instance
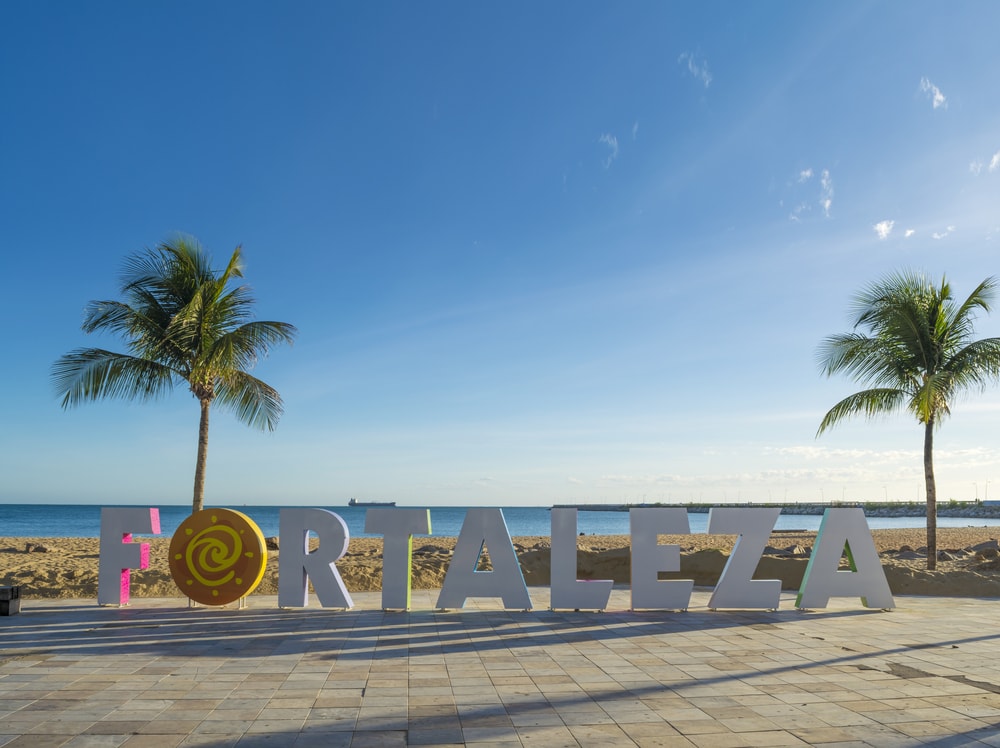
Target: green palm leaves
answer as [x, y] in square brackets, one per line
[913, 347]
[916, 351]
[181, 321]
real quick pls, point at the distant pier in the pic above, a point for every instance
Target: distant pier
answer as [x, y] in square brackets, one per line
[971, 509]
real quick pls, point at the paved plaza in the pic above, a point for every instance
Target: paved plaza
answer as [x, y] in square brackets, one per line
[161, 674]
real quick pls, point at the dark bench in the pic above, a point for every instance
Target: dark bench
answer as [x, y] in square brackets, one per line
[10, 601]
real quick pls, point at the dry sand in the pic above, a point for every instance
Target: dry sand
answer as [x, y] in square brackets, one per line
[67, 568]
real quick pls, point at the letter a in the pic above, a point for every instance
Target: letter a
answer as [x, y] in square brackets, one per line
[840, 530]
[484, 528]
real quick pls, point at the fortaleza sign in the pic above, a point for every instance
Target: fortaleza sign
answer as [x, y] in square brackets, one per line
[218, 556]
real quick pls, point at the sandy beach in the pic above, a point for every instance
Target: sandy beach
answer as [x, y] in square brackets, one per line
[970, 567]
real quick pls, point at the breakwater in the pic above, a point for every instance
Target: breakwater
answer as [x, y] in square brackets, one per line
[969, 509]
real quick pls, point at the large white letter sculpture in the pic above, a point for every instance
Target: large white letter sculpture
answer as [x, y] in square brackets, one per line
[484, 527]
[736, 587]
[840, 530]
[566, 590]
[297, 565]
[398, 526]
[118, 554]
[649, 558]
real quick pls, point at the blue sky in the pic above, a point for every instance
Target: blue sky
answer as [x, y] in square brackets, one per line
[537, 253]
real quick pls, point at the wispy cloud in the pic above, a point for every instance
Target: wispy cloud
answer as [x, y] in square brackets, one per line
[635, 129]
[909, 233]
[811, 452]
[805, 204]
[612, 143]
[826, 192]
[976, 167]
[884, 228]
[943, 234]
[698, 68]
[938, 99]
[643, 479]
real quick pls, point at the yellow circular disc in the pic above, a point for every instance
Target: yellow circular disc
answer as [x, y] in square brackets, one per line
[217, 556]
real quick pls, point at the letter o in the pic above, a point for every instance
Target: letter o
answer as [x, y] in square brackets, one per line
[217, 556]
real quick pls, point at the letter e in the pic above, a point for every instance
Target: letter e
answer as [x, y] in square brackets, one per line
[649, 558]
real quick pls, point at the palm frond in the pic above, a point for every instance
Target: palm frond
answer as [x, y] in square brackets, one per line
[109, 316]
[977, 364]
[254, 402]
[867, 403]
[869, 360]
[243, 347]
[87, 374]
[234, 268]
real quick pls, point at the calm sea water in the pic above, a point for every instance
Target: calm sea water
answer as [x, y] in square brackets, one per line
[74, 520]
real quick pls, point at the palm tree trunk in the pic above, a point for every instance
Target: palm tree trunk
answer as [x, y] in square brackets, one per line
[931, 495]
[198, 503]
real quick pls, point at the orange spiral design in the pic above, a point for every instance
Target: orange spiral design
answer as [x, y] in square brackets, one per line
[217, 556]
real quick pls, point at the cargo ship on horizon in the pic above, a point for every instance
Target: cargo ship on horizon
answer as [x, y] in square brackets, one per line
[355, 502]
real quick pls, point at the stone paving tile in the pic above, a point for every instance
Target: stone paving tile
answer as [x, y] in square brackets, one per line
[96, 741]
[37, 741]
[153, 741]
[484, 676]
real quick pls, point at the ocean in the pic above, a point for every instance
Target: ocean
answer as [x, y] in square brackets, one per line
[84, 520]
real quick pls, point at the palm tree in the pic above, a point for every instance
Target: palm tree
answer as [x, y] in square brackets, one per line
[916, 352]
[181, 322]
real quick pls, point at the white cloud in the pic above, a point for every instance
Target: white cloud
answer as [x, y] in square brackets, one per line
[909, 233]
[826, 193]
[646, 479]
[976, 167]
[806, 204]
[697, 68]
[611, 142]
[937, 98]
[882, 456]
[797, 211]
[635, 129]
[884, 228]
[943, 234]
